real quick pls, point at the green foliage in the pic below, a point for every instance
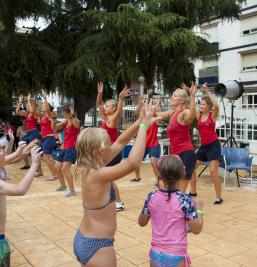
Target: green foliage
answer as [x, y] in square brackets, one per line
[113, 40]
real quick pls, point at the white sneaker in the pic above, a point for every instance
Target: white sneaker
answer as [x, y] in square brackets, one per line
[70, 194]
[120, 206]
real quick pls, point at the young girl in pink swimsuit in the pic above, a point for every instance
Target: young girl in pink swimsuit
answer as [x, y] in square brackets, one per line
[171, 213]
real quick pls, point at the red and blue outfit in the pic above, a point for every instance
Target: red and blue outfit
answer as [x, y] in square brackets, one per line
[169, 226]
[32, 132]
[47, 133]
[113, 133]
[69, 152]
[152, 144]
[180, 143]
[210, 148]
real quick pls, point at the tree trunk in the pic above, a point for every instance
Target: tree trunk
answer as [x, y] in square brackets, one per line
[83, 104]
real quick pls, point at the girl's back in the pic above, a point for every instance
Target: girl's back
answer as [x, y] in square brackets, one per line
[168, 218]
[99, 208]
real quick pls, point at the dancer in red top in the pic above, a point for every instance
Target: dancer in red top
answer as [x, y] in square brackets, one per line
[68, 155]
[31, 116]
[152, 143]
[111, 113]
[179, 130]
[47, 133]
[210, 149]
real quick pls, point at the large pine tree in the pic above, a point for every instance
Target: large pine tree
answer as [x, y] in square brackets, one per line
[113, 40]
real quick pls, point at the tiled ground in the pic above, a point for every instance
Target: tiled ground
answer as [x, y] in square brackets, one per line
[41, 225]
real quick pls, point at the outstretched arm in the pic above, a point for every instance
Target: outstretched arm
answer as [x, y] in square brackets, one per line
[18, 108]
[214, 101]
[22, 187]
[45, 103]
[108, 174]
[189, 114]
[99, 99]
[118, 113]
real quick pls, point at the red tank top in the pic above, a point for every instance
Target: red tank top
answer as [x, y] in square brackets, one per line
[207, 130]
[31, 122]
[112, 132]
[45, 125]
[151, 136]
[70, 136]
[179, 136]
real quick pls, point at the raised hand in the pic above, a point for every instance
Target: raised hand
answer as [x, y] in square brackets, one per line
[29, 97]
[36, 155]
[21, 147]
[10, 134]
[100, 87]
[205, 88]
[193, 89]
[30, 146]
[44, 94]
[185, 88]
[20, 98]
[147, 114]
[125, 92]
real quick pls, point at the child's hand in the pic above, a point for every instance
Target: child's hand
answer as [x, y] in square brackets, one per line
[30, 146]
[36, 155]
[10, 134]
[147, 115]
[20, 150]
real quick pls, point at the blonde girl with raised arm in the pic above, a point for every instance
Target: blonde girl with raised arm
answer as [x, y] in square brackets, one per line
[180, 118]
[93, 243]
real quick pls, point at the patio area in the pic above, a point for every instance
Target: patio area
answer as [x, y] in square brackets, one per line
[42, 224]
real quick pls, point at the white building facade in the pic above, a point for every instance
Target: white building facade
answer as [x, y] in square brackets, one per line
[236, 60]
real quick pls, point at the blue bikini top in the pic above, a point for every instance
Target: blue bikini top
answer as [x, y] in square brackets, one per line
[111, 199]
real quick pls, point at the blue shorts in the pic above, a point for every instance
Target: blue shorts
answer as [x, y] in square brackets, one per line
[30, 136]
[86, 247]
[116, 160]
[152, 151]
[158, 259]
[209, 152]
[48, 145]
[189, 160]
[69, 154]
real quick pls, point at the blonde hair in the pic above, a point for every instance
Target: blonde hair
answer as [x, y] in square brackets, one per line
[184, 95]
[89, 141]
[113, 102]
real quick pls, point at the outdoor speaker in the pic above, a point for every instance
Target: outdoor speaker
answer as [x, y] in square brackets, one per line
[232, 90]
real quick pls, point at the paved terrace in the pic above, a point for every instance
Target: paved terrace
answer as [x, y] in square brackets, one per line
[41, 225]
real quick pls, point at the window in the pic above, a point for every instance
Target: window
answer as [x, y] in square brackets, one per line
[249, 100]
[249, 61]
[249, 25]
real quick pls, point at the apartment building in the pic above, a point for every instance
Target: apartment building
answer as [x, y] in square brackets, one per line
[236, 59]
